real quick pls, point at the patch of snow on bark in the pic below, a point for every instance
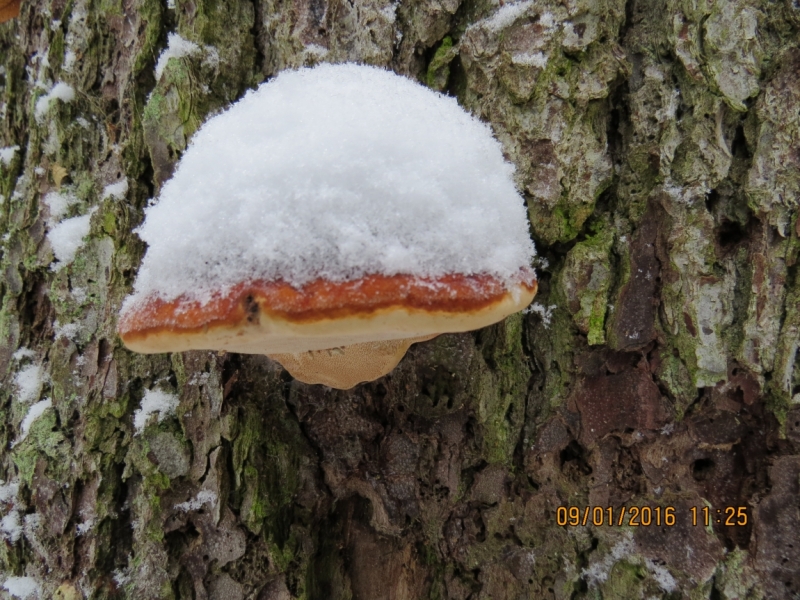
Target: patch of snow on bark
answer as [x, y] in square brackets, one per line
[7, 154]
[177, 47]
[203, 497]
[545, 312]
[506, 15]
[11, 527]
[155, 402]
[117, 191]
[60, 91]
[67, 237]
[29, 383]
[537, 59]
[59, 203]
[34, 412]
[24, 588]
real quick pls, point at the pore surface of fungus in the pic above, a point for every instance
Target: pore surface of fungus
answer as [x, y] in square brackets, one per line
[330, 219]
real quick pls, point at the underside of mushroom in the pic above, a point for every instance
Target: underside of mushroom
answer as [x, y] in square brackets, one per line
[347, 366]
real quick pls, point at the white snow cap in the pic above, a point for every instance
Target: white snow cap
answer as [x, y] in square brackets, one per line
[334, 172]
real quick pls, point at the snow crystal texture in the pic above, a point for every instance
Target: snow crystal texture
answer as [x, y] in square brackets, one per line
[61, 91]
[177, 47]
[66, 238]
[7, 154]
[29, 383]
[34, 412]
[334, 172]
[23, 587]
[154, 402]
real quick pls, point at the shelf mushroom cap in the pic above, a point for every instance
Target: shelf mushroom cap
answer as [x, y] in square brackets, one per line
[330, 219]
[9, 9]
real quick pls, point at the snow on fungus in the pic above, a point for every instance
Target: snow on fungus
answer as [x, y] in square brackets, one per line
[9, 9]
[330, 219]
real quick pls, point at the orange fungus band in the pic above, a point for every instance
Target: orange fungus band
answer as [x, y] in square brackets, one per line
[9, 9]
[318, 300]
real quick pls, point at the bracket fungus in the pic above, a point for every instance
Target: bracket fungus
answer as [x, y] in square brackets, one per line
[9, 9]
[330, 219]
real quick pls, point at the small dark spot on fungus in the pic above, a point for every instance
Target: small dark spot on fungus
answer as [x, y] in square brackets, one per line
[251, 309]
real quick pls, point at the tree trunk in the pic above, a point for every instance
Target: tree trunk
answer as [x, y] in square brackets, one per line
[657, 144]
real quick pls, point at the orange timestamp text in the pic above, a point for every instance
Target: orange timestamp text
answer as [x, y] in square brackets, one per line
[646, 516]
[633, 516]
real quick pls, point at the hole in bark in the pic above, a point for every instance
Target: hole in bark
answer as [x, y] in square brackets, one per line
[739, 144]
[572, 457]
[480, 536]
[712, 200]
[730, 234]
[148, 175]
[702, 469]
[439, 387]
[510, 413]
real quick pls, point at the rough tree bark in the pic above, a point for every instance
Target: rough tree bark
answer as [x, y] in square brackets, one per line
[657, 143]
